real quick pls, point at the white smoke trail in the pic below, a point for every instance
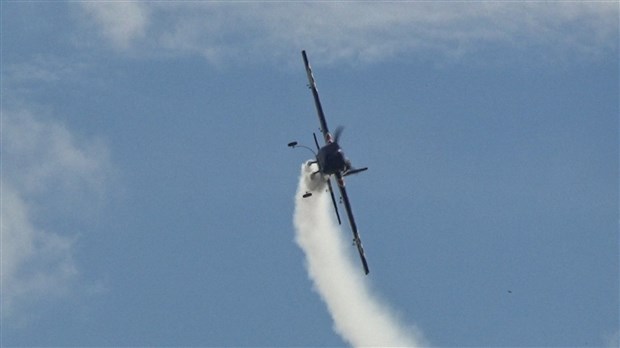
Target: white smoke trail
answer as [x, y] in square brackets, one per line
[359, 318]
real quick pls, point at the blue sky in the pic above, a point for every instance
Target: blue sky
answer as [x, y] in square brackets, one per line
[147, 190]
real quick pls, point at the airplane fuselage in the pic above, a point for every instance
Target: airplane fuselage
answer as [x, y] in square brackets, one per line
[331, 159]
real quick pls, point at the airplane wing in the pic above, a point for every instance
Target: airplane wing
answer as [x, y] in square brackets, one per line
[331, 192]
[356, 235]
[315, 94]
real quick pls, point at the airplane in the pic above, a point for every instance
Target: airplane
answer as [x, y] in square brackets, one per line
[332, 163]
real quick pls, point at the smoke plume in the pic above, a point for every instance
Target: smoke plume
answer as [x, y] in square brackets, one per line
[359, 318]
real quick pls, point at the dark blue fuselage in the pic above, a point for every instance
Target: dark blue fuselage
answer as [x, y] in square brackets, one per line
[331, 159]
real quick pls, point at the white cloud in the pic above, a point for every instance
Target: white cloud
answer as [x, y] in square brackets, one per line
[42, 156]
[121, 22]
[613, 340]
[40, 69]
[47, 172]
[366, 31]
[35, 262]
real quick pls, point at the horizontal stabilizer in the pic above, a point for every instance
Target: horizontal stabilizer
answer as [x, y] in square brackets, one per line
[355, 171]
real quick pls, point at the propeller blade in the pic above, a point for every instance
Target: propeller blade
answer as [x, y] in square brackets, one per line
[337, 133]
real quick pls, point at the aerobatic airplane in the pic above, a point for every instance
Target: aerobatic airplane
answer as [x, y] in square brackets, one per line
[332, 163]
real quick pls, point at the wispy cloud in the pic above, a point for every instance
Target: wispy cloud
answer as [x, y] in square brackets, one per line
[35, 262]
[41, 69]
[358, 32]
[47, 172]
[120, 22]
[612, 340]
